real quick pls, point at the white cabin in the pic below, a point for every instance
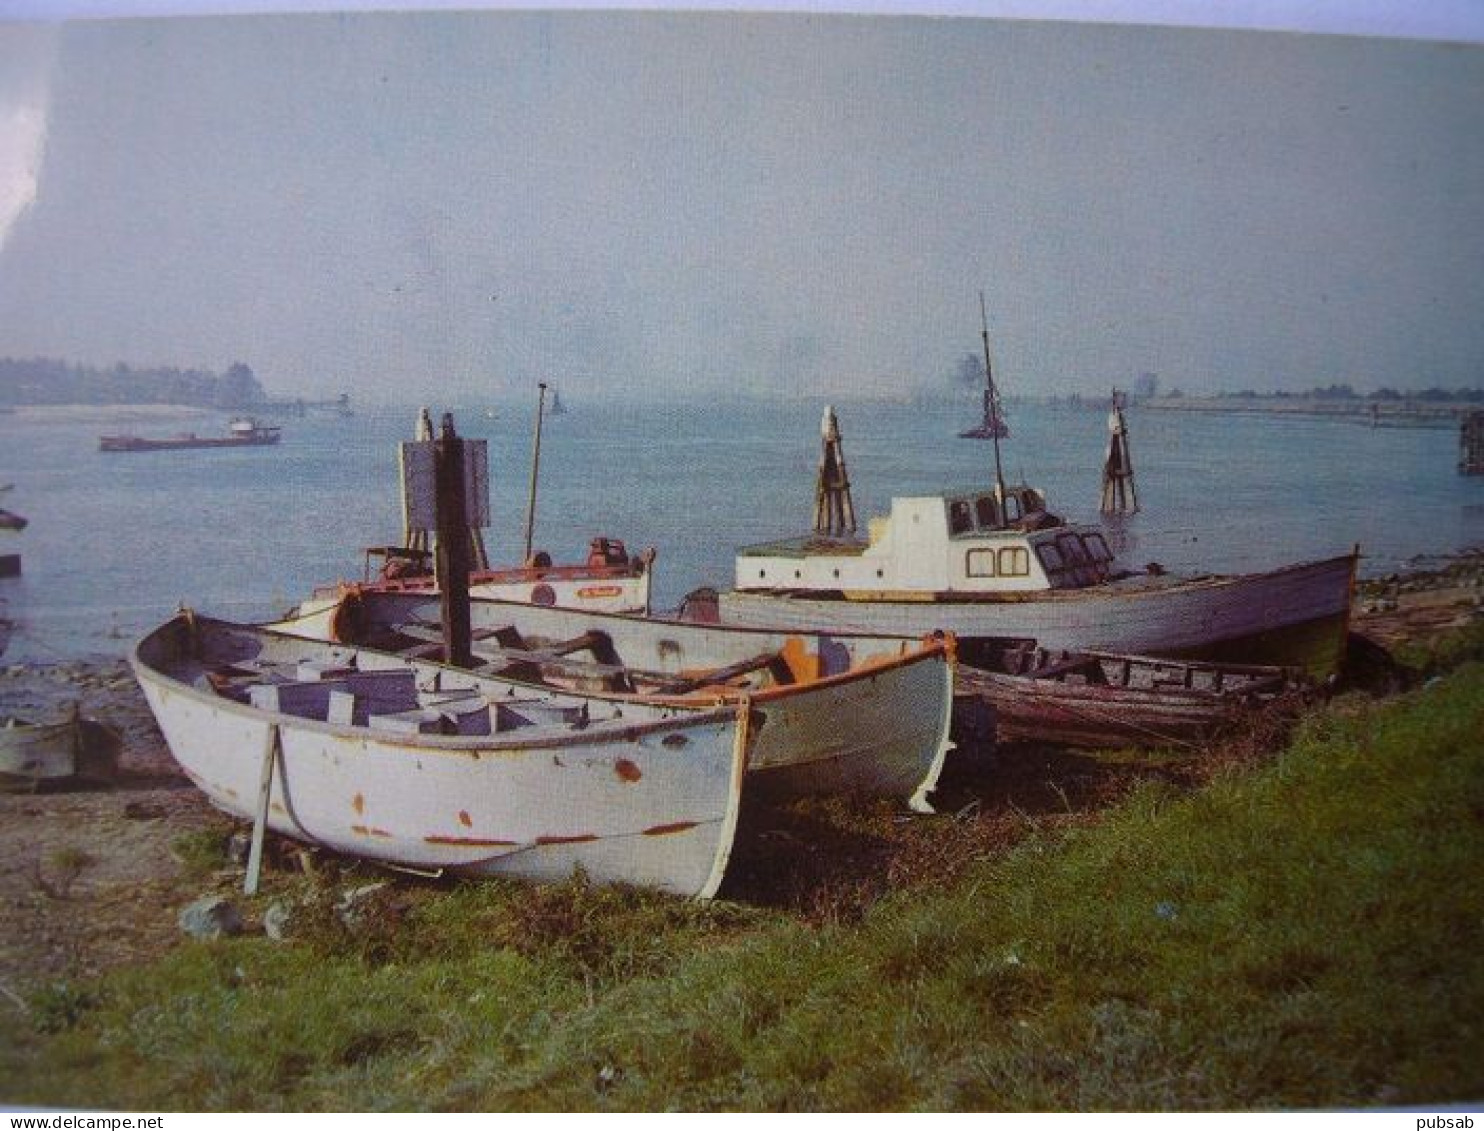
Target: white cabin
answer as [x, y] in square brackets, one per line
[969, 542]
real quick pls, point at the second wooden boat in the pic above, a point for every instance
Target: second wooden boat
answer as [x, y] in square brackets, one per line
[846, 713]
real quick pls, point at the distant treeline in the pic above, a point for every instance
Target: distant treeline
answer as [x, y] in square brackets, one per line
[44, 381]
[1346, 393]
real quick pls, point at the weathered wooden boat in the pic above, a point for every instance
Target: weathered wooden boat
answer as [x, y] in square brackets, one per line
[64, 747]
[243, 432]
[996, 563]
[1099, 699]
[609, 581]
[429, 767]
[845, 713]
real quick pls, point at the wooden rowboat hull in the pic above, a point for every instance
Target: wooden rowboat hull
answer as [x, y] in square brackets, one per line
[1096, 716]
[639, 798]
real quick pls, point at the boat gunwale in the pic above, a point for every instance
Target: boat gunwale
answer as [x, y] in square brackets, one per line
[595, 734]
[1113, 589]
[916, 650]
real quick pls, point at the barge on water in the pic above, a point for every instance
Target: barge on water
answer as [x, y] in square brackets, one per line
[244, 432]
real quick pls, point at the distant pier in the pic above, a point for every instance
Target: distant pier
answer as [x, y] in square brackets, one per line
[1404, 413]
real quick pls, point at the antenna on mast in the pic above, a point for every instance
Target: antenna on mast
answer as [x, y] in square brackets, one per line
[535, 469]
[994, 399]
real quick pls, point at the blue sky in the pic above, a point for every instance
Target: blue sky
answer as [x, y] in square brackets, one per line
[795, 203]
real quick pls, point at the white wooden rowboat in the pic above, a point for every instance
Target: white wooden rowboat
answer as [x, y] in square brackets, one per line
[33, 753]
[429, 767]
[845, 713]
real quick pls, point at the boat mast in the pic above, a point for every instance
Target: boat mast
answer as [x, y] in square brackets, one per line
[994, 406]
[535, 469]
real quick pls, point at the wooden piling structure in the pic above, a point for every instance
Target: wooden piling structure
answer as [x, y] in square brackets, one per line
[834, 511]
[1119, 493]
[1471, 444]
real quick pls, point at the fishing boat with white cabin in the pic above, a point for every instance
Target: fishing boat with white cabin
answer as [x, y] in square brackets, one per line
[994, 562]
[438, 769]
[843, 713]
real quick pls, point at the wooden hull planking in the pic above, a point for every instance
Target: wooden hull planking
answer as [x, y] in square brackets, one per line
[1088, 714]
[870, 714]
[642, 802]
[1296, 616]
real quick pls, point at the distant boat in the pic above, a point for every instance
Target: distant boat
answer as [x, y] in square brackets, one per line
[993, 426]
[243, 432]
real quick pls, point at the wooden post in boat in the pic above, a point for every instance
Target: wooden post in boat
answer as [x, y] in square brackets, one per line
[1119, 495]
[834, 512]
[452, 558]
[535, 470]
[260, 817]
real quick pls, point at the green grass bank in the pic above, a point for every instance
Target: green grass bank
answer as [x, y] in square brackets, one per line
[1308, 931]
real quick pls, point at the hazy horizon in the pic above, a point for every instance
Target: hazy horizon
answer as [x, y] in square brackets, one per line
[443, 205]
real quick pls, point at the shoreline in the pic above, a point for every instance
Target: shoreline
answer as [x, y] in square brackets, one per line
[111, 849]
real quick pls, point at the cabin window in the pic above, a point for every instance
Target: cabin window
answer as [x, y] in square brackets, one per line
[1014, 561]
[1012, 510]
[1071, 548]
[987, 513]
[959, 521]
[1051, 559]
[1097, 548]
[980, 563]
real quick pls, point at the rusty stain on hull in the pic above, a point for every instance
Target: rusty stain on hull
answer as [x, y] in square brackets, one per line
[627, 771]
[471, 841]
[664, 830]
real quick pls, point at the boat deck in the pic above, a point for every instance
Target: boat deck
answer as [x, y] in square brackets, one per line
[804, 547]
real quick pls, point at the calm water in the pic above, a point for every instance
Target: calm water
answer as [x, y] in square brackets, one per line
[117, 541]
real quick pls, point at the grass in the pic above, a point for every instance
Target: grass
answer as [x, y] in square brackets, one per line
[1307, 932]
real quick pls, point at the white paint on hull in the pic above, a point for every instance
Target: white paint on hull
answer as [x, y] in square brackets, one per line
[652, 803]
[875, 721]
[1142, 617]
